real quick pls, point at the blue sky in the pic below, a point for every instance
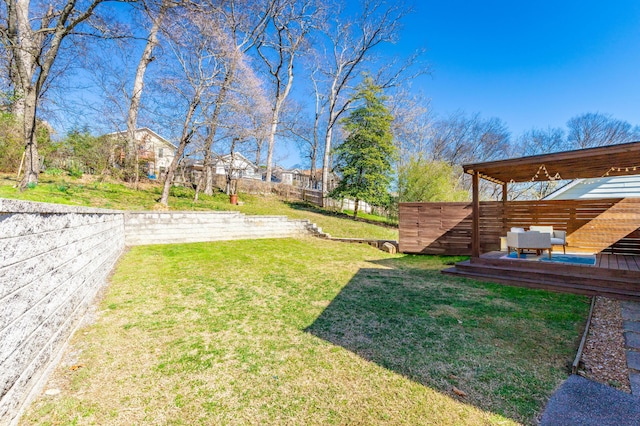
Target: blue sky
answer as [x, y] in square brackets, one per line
[531, 64]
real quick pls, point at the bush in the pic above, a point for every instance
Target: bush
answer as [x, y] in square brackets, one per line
[53, 171]
[63, 187]
[426, 180]
[181, 192]
[75, 171]
[12, 144]
[11, 147]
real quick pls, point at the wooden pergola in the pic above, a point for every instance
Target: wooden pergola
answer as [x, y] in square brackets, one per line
[612, 160]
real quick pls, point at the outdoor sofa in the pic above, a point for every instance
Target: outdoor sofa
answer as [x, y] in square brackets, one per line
[558, 238]
[531, 240]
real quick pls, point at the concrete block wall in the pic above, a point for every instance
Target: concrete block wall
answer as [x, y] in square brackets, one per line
[188, 227]
[53, 261]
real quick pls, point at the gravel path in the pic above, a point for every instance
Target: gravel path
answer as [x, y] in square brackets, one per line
[604, 356]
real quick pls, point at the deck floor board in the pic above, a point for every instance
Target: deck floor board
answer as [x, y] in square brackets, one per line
[612, 275]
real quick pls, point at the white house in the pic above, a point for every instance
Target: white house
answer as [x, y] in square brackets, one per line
[604, 187]
[156, 151]
[241, 167]
[302, 178]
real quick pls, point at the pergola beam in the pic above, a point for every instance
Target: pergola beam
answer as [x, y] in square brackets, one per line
[611, 160]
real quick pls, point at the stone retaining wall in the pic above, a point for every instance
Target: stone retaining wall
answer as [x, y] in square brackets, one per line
[190, 227]
[54, 259]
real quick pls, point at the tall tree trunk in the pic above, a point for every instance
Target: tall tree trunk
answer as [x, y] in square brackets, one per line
[33, 52]
[206, 177]
[32, 159]
[312, 172]
[185, 138]
[281, 96]
[272, 138]
[313, 155]
[23, 65]
[131, 160]
[258, 153]
[326, 160]
[213, 125]
[355, 208]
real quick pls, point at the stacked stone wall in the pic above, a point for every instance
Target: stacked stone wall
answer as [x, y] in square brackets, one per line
[53, 261]
[190, 227]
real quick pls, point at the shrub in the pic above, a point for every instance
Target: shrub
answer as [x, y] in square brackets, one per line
[53, 171]
[181, 192]
[75, 171]
[62, 186]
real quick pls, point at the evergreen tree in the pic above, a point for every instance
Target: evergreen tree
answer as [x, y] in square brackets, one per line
[364, 160]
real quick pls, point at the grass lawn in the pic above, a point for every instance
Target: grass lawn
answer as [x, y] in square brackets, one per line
[373, 218]
[309, 332]
[89, 191]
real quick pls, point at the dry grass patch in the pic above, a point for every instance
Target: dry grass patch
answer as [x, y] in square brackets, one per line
[309, 332]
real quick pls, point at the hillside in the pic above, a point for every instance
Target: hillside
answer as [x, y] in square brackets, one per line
[94, 192]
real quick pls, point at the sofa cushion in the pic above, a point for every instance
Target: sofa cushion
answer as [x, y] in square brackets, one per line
[542, 229]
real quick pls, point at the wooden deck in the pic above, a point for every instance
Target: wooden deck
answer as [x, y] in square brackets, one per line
[613, 275]
[612, 261]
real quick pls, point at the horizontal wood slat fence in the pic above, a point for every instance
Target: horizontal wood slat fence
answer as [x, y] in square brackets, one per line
[609, 225]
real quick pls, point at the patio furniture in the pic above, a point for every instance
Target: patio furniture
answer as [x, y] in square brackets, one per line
[558, 238]
[531, 240]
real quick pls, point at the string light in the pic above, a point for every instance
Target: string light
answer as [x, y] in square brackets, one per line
[543, 168]
[621, 169]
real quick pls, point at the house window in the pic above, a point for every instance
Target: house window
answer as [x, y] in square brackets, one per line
[162, 171]
[160, 153]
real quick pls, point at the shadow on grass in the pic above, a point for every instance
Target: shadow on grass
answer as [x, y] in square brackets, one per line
[301, 205]
[507, 348]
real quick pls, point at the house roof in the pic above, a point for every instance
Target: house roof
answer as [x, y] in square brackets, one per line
[145, 129]
[237, 156]
[611, 160]
[199, 163]
[596, 188]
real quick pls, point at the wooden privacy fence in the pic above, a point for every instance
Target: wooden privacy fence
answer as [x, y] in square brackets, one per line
[312, 196]
[611, 225]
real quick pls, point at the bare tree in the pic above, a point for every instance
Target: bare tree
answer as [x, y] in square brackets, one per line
[195, 50]
[535, 142]
[595, 129]
[259, 127]
[461, 139]
[34, 35]
[131, 151]
[240, 22]
[351, 42]
[307, 130]
[412, 122]
[278, 47]
[246, 115]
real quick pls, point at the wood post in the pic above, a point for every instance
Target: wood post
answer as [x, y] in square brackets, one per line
[504, 208]
[475, 228]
